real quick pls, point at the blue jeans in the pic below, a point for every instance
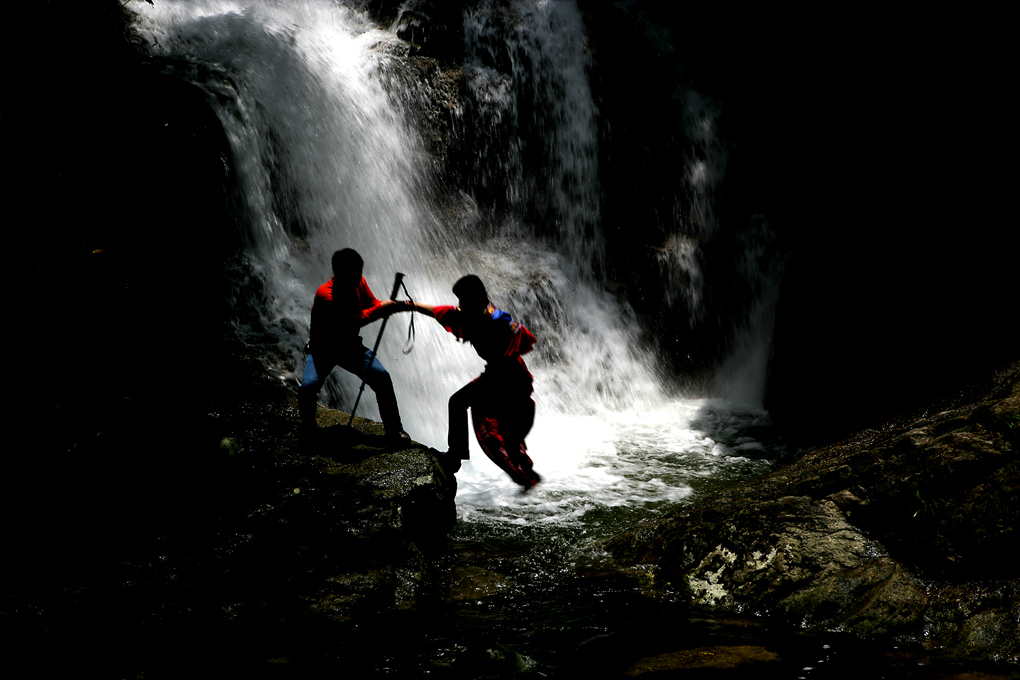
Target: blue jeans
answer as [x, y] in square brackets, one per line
[360, 362]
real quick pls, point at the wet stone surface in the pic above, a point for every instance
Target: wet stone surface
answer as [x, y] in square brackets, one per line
[233, 544]
[896, 533]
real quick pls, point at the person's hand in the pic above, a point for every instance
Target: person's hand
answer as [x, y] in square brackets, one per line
[395, 306]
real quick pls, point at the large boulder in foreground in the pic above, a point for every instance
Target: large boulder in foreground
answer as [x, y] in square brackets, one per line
[375, 510]
[209, 523]
[908, 530]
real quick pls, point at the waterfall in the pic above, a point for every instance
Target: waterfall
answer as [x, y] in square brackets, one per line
[549, 164]
[315, 99]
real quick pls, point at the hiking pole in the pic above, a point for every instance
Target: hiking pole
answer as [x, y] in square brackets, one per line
[396, 289]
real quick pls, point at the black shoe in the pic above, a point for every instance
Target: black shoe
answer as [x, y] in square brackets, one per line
[450, 461]
[400, 439]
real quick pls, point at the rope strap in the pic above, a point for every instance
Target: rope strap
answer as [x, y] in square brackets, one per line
[410, 328]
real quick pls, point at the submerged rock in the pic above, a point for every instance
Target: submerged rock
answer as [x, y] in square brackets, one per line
[714, 658]
[900, 531]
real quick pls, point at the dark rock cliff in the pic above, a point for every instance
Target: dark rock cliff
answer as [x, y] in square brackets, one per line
[215, 527]
[902, 530]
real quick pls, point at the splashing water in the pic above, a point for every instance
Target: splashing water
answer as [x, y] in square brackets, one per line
[325, 158]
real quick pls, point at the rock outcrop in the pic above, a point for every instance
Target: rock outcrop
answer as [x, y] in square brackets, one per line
[388, 507]
[902, 531]
[212, 524]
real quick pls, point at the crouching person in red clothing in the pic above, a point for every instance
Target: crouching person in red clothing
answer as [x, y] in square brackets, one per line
[502, 410]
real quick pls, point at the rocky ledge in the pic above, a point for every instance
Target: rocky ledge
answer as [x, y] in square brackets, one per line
[388, 507]
[906, 531]
[206, 521]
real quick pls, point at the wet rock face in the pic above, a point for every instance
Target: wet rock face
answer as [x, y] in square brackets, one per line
[899, 531]
[213, 523]
[399, 496]
[804, 558]
[709, 658]
[389, 511]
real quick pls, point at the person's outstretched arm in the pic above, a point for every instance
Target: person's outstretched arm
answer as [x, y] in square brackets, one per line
[389, 307]
[427, 310]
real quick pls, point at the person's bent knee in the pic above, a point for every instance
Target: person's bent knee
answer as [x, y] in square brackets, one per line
[379, 380]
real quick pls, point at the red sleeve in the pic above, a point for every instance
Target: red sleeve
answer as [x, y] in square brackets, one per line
[447, 315]
[521, 342]
[368, 305]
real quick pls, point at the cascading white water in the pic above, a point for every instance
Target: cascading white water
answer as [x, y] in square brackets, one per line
[543, 47]
[324, 159]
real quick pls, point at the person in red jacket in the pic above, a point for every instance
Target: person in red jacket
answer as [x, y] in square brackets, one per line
[502, 409]
[342, 306]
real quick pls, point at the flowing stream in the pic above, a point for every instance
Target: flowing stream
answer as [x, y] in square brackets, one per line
[327, 121]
